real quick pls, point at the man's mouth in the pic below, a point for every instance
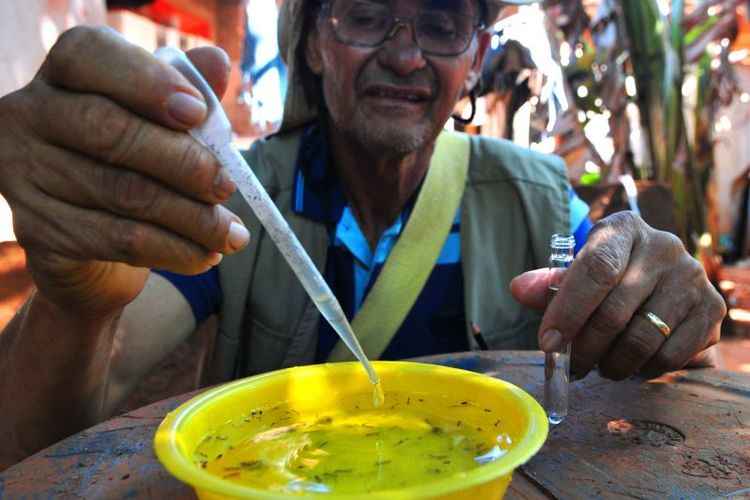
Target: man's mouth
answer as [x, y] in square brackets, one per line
[409, 94]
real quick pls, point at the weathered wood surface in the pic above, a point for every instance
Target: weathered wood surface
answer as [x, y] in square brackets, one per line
[685, 435]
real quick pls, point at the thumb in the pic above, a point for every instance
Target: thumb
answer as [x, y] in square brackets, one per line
[214, 64]
[530, 288]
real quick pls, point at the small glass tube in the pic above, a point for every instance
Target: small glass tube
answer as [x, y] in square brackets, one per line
[557, 364]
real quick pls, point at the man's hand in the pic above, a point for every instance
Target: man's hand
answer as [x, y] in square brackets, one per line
[625, 270]
[103, 180]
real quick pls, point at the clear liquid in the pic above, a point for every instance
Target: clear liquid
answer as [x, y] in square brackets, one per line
[556, 383]
[556, 375]
[378, 398]
[353, 449]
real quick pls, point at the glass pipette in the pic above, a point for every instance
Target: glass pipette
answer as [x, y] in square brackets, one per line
[216, 134]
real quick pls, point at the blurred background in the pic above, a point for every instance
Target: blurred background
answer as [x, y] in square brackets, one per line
[646, 100]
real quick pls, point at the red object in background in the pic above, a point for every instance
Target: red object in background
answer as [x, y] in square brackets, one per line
[743, 36]
[166, 13]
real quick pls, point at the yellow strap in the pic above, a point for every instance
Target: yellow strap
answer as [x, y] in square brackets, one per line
[413, 257]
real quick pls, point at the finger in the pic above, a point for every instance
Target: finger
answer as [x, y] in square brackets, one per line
[707, 358]
[83, 234]
[671, 301]
[684, 344]
[613, 316]
[214, 64]
[699, 331]
[84, 183]
[597, 269]
[642, 338]
[98, 60]
[101, 129]
[634, 347]
[531, 289]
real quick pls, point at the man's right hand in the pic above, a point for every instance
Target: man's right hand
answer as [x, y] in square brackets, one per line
[103, 181]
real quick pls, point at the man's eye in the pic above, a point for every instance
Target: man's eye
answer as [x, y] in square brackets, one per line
[438, 26]
[365, 20]
[366, 16]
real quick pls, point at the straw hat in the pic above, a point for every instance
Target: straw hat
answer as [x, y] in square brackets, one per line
[297, 109]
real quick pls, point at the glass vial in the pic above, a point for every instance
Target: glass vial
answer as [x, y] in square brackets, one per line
[557, 364]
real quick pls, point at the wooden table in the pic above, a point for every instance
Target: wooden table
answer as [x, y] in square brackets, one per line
[684, 435]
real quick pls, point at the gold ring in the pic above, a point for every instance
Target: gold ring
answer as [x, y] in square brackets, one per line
[659, 324]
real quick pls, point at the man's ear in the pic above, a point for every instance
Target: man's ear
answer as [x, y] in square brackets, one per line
[312, 52]
[472, 78]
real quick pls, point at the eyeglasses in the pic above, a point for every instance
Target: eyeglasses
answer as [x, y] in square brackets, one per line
[437, 31]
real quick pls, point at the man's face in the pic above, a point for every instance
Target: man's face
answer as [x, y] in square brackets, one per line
[392, 98]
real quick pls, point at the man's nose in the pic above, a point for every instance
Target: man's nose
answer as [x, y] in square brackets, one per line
[400, 51]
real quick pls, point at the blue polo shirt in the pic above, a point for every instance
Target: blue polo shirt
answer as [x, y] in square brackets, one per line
[436, 322]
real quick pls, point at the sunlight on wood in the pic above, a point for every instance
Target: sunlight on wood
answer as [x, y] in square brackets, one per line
[15, 281]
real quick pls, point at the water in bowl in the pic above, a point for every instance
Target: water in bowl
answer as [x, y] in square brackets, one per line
[356, 449]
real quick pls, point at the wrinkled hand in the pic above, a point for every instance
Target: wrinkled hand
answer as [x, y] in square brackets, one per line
[627, 269]
[103, 181]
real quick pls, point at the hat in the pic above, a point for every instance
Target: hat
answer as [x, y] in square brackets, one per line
[297, 109]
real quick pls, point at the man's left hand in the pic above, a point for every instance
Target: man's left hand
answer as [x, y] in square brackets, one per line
[626, 270]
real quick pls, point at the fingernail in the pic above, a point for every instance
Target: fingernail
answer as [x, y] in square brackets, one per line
[215, 258]
[223, 184]
[551, 341]
[186, 109]
[238, 235]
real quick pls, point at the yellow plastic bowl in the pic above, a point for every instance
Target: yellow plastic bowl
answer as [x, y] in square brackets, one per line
[318, 388]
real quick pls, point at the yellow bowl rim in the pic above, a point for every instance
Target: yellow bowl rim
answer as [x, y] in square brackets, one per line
[181, 467]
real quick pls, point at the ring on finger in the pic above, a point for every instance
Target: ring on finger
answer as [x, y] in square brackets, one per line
[658, 323]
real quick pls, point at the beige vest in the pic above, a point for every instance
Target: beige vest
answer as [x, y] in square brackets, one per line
[515, 199]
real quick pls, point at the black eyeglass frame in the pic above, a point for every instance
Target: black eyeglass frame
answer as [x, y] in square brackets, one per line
[396, 24]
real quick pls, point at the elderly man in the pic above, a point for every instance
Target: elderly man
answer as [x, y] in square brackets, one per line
[105, 186]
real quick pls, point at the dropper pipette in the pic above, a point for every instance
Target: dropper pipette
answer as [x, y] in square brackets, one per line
[216, 134]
